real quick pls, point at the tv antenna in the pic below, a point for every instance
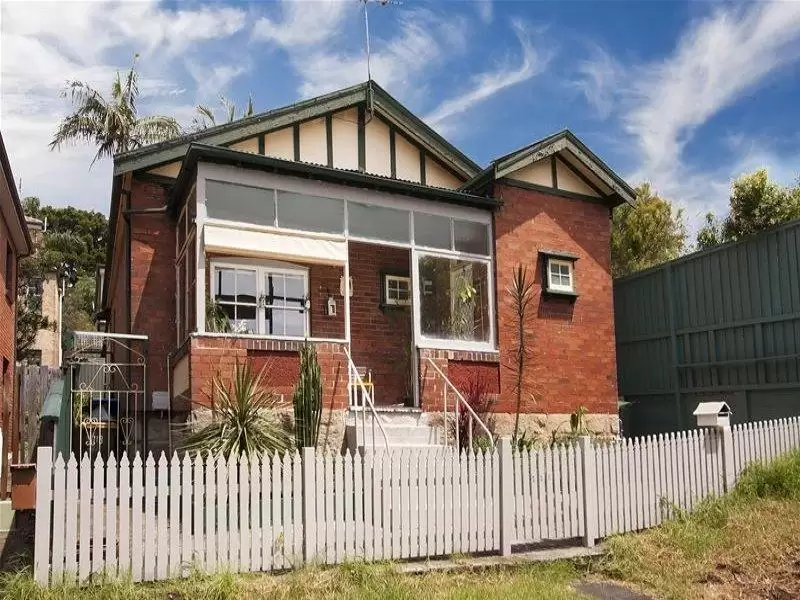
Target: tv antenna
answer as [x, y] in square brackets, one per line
[366, 35]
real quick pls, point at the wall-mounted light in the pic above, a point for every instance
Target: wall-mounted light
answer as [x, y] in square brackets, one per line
[341, 286]
[330, 307]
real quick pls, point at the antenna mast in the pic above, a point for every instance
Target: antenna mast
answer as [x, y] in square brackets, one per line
[366, 35]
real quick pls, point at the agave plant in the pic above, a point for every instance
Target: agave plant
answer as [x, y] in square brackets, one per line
[243, 417]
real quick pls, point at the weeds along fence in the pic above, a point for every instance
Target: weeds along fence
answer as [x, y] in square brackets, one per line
[157, 519]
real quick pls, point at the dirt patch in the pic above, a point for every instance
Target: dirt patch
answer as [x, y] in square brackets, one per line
[779, 579]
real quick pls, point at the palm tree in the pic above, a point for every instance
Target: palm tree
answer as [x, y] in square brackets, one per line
[205, 114]
[113, 126]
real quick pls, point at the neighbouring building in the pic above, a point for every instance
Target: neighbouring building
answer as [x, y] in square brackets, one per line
[15, 243]
[47, 347]
[347, 221]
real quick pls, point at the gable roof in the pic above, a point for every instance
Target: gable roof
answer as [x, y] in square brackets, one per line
[368, 92]
[11, 210]
[562, 142]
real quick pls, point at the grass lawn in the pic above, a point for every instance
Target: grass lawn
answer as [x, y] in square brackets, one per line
[355, 581]
[746, 545]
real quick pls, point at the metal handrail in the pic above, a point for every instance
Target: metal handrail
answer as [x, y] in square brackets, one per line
[352, 370]
[459, 400]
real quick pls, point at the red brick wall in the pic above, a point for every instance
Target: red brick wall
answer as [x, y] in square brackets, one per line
[210, 355]
[323, 281]
[573, 360]
[153, 279]
[8, 405]
[381, 338]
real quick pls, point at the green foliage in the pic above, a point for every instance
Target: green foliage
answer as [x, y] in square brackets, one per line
[206, 117]
[756, 204]
[244, 419]
[216, 319]
[112, 126]
[525, 442]
[779, 480]
[74, 236]
[307, 399]
[647, 233]
[521, 292]
[577, 421]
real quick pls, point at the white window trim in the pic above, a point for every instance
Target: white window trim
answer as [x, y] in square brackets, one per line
[396, 301]
[558, 287]
[262, 267]
[424, 341]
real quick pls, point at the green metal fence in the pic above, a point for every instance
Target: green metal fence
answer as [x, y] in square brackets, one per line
[719, 324]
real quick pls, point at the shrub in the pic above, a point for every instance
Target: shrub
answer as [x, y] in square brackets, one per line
[780, 480]
[307, 399]
[243, 417]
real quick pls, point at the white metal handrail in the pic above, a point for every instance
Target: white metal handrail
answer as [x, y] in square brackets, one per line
[354, 375]
[459, 400]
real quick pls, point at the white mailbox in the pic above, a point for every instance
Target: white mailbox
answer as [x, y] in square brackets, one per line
[713, 414]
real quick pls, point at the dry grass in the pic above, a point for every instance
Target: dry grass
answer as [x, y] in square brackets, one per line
[354, 581]
[744, 546]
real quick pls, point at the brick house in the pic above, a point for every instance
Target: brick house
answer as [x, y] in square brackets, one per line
[15, 243]
[347, 221]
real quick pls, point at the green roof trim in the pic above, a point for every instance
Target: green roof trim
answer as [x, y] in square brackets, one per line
[216, 154]
[390, 110]
[549, 146]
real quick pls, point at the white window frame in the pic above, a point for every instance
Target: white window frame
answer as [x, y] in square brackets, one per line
[262, 268]
[560, 287]
[387, 299]
[424, 341]
[230, 174]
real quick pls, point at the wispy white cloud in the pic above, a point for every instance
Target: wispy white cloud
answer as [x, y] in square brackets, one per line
[303, 23]
[720, 58]
[421, 43]
[598, 78]
[45, 44]
[661, 104]
[213, 80]
[485, 10]
[487, 84]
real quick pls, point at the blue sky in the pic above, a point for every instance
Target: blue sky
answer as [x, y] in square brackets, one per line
[685, 95]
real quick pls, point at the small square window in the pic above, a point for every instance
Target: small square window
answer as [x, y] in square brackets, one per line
[396, 290]
[560, 275]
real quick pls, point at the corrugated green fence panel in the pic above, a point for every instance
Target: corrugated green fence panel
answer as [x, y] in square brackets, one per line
[719, 324]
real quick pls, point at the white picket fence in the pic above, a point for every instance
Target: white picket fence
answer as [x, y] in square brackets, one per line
[162, 519]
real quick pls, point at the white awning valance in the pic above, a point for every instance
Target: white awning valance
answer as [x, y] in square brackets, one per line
[260, 244]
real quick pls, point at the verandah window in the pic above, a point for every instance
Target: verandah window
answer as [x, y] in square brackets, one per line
[266, 300]
[454, 299]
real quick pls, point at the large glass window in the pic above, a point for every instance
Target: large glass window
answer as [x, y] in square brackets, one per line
[263, 300]
[471, 237]
[310, 213]
[233, 202]
[454, 299]
[377, 222]
[432, 231]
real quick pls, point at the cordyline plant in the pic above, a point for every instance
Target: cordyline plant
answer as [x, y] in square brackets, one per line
[243, 417]
[307, 399]
[521, 291]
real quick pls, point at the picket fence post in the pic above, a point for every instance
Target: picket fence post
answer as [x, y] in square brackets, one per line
[728, 451]
[506, 496]
[309, 505]
[42, 539]
[589, 500]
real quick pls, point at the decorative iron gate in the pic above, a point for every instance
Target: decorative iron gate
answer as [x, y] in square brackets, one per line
[108, 378]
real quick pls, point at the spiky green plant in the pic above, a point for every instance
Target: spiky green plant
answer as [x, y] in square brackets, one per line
[244, 419]
[216, 319]
[521, 292]
[308, 399]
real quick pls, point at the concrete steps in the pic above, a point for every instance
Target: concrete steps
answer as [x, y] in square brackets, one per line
[404, 427]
